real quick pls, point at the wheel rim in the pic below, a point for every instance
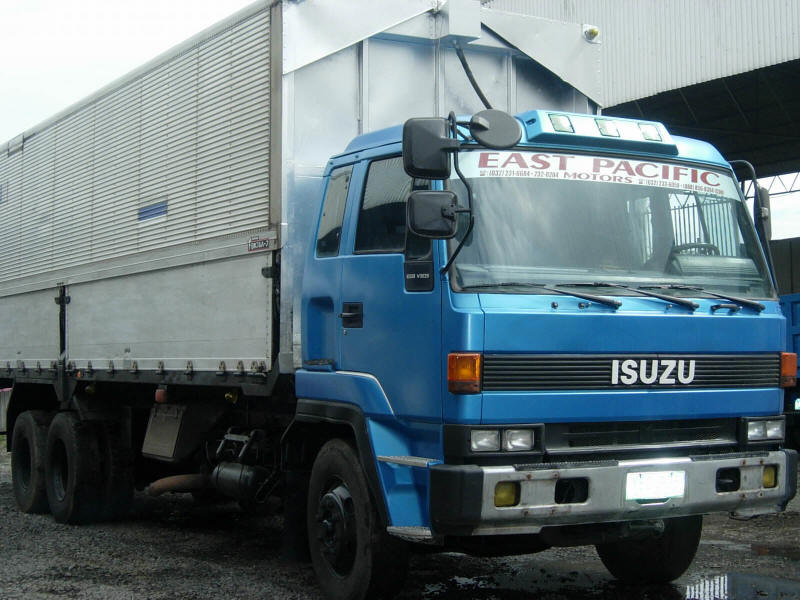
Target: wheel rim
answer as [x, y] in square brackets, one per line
[23, 463]
[60, 470]
[336, 528]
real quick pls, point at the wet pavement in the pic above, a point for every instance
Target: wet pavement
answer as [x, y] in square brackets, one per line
[173, 549]
[756, 559]
[545, 578]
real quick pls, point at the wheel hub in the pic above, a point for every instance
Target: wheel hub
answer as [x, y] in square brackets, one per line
[336, 528]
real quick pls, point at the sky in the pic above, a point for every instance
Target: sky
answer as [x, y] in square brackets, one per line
[56, 52]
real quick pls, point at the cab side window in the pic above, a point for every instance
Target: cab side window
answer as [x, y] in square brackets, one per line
[382, 218]
[330, 225]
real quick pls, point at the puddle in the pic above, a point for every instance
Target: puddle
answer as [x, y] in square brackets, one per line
[741, 586]
[543, 583]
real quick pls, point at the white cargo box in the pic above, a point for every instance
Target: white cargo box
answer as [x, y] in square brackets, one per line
[161, 202]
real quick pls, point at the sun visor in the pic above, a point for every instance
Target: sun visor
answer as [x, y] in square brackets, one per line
[562, 48]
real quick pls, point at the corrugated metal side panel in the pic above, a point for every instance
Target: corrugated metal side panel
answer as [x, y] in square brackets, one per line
[655, 45]
[186, 143]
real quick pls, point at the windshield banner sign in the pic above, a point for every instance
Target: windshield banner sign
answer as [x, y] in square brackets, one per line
[602, 169]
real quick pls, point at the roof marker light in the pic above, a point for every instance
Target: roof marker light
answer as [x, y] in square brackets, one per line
[561, 123]
[607, 127]
[650, 132]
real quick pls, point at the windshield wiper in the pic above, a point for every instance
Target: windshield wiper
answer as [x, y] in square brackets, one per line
[615, 304]
[743, 301]
[665, 297]
[480, 286]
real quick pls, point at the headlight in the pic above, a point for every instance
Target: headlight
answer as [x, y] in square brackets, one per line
[517, 440]
[484, 440]
[775, 430]
[756, 430]
[761, 430]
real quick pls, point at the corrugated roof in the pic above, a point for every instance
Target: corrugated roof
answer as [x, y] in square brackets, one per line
[651, 46]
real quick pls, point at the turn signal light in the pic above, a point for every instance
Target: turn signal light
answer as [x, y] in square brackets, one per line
[464, 372]
[788, 369]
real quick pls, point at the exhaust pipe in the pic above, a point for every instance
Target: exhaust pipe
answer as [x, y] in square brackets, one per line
[178, 483]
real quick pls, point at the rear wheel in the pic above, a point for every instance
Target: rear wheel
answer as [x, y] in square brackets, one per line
[658, 559]
[353, 556]
[117, 471]
[73, 469]
[28, 450]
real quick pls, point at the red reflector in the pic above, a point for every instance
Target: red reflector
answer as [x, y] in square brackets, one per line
[161, 396]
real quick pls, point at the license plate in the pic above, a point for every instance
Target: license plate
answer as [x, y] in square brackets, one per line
[655, 485]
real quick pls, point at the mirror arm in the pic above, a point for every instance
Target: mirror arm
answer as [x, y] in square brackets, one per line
[454, 127]
[460, 245]
[758, 216]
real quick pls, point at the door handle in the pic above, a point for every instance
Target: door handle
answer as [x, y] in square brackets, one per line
[352, 315]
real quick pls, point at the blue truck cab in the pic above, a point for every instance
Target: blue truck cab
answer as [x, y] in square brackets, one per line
[600, 363]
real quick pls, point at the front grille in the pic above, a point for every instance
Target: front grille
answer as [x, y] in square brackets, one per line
[566, 437]
[528, 372]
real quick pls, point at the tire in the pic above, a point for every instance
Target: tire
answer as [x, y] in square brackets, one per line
[655, 560]
[117, 472]
[295, 511]
[793, 431]
[73, 470]
[28, 451]
[353, 556]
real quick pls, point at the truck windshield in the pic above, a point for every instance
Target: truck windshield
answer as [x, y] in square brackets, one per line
[560, 219]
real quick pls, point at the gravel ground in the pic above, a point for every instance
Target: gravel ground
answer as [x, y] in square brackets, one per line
[171, 548]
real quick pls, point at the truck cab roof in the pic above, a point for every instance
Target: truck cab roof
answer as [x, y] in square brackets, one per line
[567, 131]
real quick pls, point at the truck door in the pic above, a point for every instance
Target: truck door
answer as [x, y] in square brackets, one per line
[322, 278]
[390, 311]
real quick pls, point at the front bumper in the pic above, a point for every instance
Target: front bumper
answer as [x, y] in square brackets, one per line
[462, 496]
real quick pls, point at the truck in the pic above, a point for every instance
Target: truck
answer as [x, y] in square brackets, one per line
[322, 270]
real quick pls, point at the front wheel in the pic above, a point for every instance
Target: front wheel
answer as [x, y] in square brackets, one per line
[658, 559]
[353, 556]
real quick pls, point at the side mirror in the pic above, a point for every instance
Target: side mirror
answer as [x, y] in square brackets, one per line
[426, 146]
[764, 212]
[495, 129]
[432, 214]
